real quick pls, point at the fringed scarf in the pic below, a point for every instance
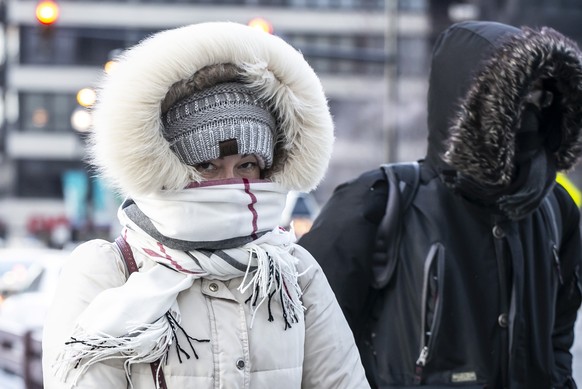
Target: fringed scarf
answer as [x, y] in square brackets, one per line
[216, 230]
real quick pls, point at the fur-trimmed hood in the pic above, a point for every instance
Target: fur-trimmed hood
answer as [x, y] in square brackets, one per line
[127, 145]
[481, 74]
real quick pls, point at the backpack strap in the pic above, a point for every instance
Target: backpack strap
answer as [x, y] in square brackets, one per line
[127, 254]
[552, 213]
[402, 181]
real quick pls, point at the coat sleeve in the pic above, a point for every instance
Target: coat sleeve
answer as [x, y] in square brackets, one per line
[92, 267]
[569, 294]
[342, 239]
[331, 359]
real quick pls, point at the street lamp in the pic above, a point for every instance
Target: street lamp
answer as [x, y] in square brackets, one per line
[86, 97]
[261, 24]
[47, 12]
[81, 119]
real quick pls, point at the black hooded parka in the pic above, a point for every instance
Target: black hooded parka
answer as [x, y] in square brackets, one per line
[485, 291]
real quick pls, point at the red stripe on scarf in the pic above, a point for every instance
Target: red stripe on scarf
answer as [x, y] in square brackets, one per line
[169, 258]
[252, 207]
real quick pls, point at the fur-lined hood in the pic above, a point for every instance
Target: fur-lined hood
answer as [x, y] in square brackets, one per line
[127, 145]
[480, 76]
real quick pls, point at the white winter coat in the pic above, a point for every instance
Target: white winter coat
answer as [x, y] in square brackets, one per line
[318, 352]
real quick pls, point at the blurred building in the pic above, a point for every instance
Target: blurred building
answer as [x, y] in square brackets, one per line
[563, 15]
[372, 57]
[369, 54]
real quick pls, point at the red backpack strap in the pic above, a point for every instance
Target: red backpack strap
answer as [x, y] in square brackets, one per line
[127, 254]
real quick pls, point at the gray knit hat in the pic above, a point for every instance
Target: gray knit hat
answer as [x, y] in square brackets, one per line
[222, 120]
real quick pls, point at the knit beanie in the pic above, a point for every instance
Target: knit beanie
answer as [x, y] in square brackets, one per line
[222, 120]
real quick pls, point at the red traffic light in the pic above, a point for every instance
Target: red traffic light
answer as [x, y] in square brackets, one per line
[47, 12]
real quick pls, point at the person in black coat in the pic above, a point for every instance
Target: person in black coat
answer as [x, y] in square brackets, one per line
[484, 289]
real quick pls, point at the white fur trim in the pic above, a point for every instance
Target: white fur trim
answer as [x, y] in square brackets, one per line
[127, 144]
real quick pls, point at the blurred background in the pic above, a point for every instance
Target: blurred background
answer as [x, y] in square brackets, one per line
[372, 57]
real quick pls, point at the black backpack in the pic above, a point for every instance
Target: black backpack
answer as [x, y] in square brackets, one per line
[357, 239]
[402, 180]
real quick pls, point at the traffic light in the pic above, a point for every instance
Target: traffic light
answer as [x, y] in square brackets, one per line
[47, 12]
[261, 24]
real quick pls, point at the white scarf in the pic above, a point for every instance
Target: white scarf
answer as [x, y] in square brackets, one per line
[206, 219]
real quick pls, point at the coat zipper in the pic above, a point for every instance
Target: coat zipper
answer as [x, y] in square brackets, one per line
[424, 344]
[557, 263]
[420, 363]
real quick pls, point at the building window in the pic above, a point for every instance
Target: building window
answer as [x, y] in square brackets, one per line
[341, 54]
[46, 112]
[42, 178]
[74, 46]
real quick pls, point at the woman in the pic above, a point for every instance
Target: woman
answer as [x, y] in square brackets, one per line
[205, 129]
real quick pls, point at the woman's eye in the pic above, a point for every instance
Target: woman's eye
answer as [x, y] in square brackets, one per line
[248, 165]
[204, 166]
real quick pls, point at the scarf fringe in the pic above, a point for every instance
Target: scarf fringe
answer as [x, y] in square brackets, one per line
[143, 344]
[275, 273]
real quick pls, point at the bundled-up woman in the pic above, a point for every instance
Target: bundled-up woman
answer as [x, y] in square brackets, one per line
[204, 129]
